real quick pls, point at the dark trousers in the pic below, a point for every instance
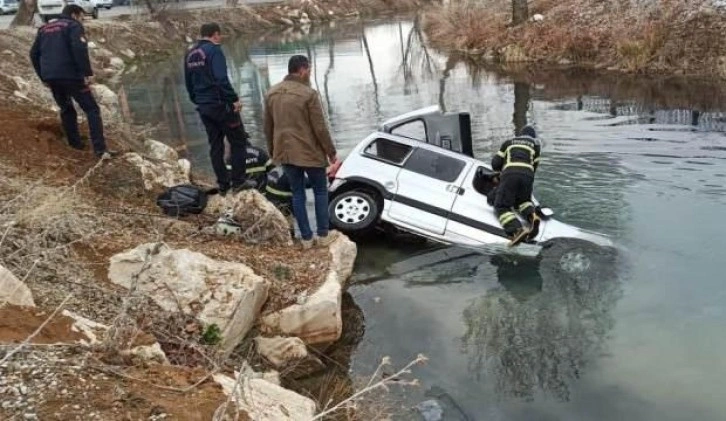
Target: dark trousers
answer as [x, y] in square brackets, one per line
[319, 182]
[64, 92]
[514, 194]
[220, 122]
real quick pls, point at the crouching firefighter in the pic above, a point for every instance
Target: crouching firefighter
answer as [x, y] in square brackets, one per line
[517, 160]
[257, 165]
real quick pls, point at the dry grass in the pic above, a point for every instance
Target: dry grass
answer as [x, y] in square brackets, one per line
[682, 36]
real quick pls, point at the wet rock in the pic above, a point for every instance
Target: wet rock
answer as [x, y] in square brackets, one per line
[159, 175]
[266, 401]
[14, 291]
[229, 295]
[156, 150]
[431, 410]
[318, 319]
[286, 21]
[281, 351]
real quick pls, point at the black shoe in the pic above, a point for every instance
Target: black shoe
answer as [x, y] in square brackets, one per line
[78, 146]
[247, 185]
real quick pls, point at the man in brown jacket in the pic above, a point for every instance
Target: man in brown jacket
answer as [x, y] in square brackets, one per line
[299, 140]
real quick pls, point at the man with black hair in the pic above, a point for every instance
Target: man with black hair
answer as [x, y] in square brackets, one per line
[60, 59]
[299, 140]
[209, 88]
[517, 159]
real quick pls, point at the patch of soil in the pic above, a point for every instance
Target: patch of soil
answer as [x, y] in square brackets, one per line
[18, 323]
[115, 398]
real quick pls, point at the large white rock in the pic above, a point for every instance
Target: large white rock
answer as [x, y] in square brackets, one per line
[156, 150]
[117, 63]
[107, 99]
[266, 401]
[281, 351]
[229, 295]
[318, 319]
[160, 174]
[14, 291]
[259, 219]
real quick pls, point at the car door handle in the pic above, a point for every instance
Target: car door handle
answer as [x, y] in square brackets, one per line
[451, 188]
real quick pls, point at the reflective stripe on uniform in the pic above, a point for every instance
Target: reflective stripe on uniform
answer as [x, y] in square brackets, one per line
[519, 164]
[255, 169]
[278, 192]
[500, 154]
[536, 160]
[506, 218]
[525, 205]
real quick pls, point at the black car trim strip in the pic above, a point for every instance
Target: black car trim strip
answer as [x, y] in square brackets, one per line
[450, 215]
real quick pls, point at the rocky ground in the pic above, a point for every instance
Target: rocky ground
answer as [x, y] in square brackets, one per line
[110, 310]
[670, 37]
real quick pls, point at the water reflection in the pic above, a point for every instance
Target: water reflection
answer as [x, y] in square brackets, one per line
[540, 328]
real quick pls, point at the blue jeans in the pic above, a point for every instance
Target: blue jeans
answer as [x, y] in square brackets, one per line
[319, 183]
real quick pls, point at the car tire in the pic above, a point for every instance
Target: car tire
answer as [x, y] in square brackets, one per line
[94, 14]
[354, 211]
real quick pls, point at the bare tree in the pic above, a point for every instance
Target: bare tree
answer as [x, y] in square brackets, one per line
[25, 13]
[521, 105]
[520, 11]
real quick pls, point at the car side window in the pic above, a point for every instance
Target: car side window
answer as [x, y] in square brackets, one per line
[388, 150]
[413, 130]
[434, 165]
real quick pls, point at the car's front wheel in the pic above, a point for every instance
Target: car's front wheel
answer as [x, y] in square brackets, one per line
[354, 211]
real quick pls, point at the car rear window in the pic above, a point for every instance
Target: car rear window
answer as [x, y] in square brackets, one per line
[388, 150]
[434, 165]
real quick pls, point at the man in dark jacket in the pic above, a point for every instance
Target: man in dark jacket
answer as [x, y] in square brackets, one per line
[60, 58]
[517, 159]
[209, 88]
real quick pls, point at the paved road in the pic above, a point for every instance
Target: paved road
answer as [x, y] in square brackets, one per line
[127, 10]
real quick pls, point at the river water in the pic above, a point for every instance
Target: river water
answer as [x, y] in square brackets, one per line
[643, 160]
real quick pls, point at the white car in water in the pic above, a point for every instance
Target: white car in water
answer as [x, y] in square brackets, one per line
[51, 9]
[418, 174]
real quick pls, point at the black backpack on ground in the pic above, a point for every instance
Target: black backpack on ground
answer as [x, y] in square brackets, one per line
[182, 200]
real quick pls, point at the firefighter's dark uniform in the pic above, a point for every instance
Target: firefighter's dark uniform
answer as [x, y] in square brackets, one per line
[60, 58]
[209, 88]
[517, 160]
[257, 165]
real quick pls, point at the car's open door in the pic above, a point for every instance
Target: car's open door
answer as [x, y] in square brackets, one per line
[451, 131]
